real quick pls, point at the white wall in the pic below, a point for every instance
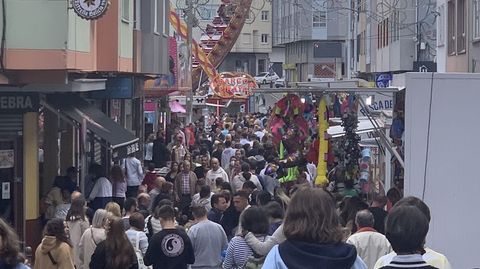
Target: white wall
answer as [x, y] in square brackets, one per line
[453, 178]
[441, 53]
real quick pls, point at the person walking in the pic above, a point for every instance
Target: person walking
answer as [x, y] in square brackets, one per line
[10, 256]
[101, 193]
[161, 154]
[215, 172]
[115, 251]
[246, 175]
[92, 237]
[119, 185]
[170, 248]
[313, 236]
[136, 235]
[77, 223]
[134, 175]
[208, 240]
[148, 158]
[185, 187]
[254, 220]
[56, 250]
[370, 244]
[406, 229]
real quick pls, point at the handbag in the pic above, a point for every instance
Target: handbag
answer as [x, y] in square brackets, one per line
[139, 254]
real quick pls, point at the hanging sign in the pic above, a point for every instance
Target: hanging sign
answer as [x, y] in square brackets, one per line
[230, 85]
[90, 9]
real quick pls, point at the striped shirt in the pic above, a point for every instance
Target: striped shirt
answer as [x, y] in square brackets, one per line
[238, 252]
[408, 261]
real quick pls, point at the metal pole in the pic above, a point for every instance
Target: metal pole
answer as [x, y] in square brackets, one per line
[189, 100]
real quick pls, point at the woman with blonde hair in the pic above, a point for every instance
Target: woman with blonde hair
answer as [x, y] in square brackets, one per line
[10, 256]
[114, 208]
[92, 237]
[119, 185]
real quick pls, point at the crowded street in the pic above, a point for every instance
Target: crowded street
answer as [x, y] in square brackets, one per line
[238, 134]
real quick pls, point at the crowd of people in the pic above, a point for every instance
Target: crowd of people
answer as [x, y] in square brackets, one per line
[221, 205]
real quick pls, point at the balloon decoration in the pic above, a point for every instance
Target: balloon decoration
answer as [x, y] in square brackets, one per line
[321, 179]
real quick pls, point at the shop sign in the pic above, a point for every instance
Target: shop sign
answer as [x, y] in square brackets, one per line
[90, 9]
[17, 102]
[231, 85]
[383, 80]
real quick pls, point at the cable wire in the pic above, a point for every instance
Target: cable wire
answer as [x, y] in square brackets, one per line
[428, 138]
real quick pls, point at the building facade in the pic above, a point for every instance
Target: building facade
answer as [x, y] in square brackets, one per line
[252, 51]
[313, 35]
[72, 93]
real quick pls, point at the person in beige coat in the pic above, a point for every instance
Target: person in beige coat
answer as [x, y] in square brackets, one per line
[56, 250]
[77, 223]
[92, 237]
[370, 244]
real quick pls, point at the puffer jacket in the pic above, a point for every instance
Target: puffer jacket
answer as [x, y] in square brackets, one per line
[61, 254]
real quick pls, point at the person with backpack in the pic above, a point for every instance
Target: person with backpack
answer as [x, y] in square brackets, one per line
[56, 250]
[115, 251]
[239, 255]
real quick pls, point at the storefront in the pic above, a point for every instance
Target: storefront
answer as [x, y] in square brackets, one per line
[19, 160]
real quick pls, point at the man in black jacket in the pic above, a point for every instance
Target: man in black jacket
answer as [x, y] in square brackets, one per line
[161, 154]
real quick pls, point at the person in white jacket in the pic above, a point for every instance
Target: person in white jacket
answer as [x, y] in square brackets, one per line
[370, 244]
[216, 172]
[92, 237]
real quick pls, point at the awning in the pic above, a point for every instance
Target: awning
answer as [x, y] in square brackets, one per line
[121, 141]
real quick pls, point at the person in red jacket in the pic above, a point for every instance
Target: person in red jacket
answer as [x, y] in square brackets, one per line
[150, 176]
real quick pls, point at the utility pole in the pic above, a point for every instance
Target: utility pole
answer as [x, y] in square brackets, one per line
[190, 21]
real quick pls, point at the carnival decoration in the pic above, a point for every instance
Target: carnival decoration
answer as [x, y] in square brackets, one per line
[321, 179]
[289, 130]
[236, 21]
[231, 85]
[348, 152]
[226, 85]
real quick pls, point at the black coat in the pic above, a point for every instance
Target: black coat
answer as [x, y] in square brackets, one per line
[161, 154]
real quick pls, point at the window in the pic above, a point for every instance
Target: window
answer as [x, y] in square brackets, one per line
[461, 34]
[262, 65]
[476, 19]
[457, 37]
[265, 15]
[264, 39]
[441, 26]
[137, 19]
[319, 18]
[451, 27]
[126, 10]
[155, 17]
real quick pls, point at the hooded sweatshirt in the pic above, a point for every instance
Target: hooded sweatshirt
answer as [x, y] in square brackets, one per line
[61, 253]
[301, 255]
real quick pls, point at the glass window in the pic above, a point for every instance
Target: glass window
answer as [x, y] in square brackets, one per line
[164, 19]
[319, 18]
[461, 35]
[126, 10]
[265, 15]
[264, 38]
[476, 19]
[451, 27]
[441, 26]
